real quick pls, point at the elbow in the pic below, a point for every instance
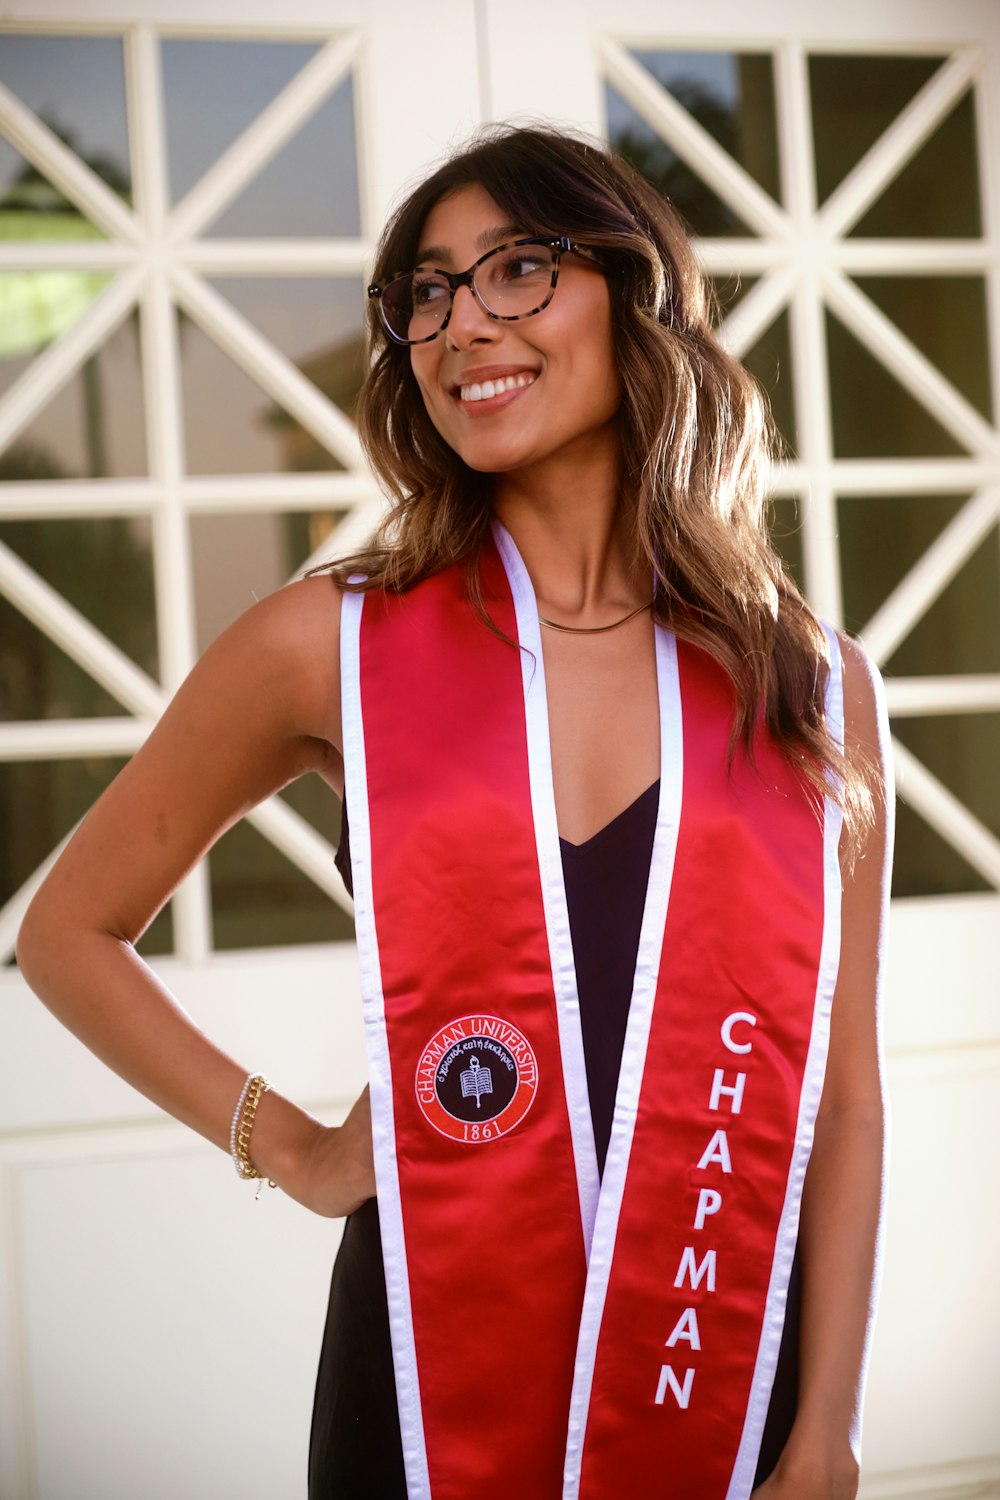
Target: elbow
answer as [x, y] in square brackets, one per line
[43, 941]
[34, 942]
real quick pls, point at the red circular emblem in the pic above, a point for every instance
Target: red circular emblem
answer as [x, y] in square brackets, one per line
[476, 1078]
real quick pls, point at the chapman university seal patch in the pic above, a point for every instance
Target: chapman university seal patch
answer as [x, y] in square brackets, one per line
[476, 1079]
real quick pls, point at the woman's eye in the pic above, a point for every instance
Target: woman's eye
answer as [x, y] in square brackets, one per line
[521, 266]
[426, 290]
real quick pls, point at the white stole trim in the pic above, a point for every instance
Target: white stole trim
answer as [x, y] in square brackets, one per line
[404, 1354]
[633, 1062]
[745, 1468]
[543, 806]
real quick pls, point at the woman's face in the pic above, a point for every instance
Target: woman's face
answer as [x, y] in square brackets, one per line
[565, 352]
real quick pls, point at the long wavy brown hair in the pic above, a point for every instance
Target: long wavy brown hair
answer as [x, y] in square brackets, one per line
[695, 432]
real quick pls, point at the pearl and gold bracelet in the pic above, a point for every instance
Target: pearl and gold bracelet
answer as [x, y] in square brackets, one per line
[253, 1090]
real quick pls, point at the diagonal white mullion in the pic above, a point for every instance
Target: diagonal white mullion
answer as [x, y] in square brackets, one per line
[75, 635]
[905, 362]
[268, 366]
[965, 693]
[64, 356]
[755, 312]
[314, 855]
[939, 807]
[191, 903]
[934, 570]
[692, 142]
[898, 143]
[986, 100]
[66, 170]
[264, 138]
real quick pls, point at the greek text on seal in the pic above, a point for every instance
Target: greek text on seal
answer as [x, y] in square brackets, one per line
[476, 1078]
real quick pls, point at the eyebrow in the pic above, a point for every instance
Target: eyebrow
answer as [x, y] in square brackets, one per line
[484, 242]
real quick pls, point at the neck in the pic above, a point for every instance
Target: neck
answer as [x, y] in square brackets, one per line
[570, 527]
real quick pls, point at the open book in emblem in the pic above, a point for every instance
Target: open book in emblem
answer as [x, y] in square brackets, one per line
[476, 1081]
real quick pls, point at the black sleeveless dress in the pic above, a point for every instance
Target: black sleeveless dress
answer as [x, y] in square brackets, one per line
[355, 1450]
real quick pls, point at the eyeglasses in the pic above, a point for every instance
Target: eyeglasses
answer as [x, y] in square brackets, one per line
[511, 281]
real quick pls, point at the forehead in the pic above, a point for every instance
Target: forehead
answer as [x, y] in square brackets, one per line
[462, 225]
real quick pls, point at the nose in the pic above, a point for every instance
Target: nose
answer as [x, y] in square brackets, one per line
[468, 322]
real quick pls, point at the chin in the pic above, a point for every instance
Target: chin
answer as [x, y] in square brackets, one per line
[495, 458]
[501, 464]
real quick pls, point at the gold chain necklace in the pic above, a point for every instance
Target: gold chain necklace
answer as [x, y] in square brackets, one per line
[594, 629]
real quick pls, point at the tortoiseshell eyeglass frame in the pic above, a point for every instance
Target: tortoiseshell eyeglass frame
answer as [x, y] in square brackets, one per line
[560, 244]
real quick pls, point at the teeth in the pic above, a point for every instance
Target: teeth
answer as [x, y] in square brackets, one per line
[477, 392]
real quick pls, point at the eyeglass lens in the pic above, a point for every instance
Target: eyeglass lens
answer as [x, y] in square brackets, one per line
[512, 283]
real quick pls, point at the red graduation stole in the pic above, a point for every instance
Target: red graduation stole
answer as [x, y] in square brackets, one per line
[556, 1335]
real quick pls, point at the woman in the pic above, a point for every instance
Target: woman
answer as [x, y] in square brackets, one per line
[620, 963]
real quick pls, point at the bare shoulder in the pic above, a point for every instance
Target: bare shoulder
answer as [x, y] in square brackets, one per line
[867, 741]
[286, 651]
[852, 1083]
[865, 716]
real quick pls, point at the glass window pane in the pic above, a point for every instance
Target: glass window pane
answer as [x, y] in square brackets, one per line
[317, 322]
[730, 94]
[76, 85]
[770, 362]
[925, 864]
[729, 293]
[854, 101]
[244, 557]
[94, 426]
[945, 318]
[936, 195]
[881, 538]
[786, 535]
[701, 209]
[960, 632]
[39, 681]
[231, 424]
[37, 306]
[261, 900]
[317, 802]
[40, 802]
[104, 568]
[873, 416]
[963, 752]
[214, 90]
[310, 186]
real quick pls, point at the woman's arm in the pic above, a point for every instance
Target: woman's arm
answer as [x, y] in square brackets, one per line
[261, 708]
[843, 1198]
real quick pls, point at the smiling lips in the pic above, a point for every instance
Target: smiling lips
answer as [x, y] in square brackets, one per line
[479, 397]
